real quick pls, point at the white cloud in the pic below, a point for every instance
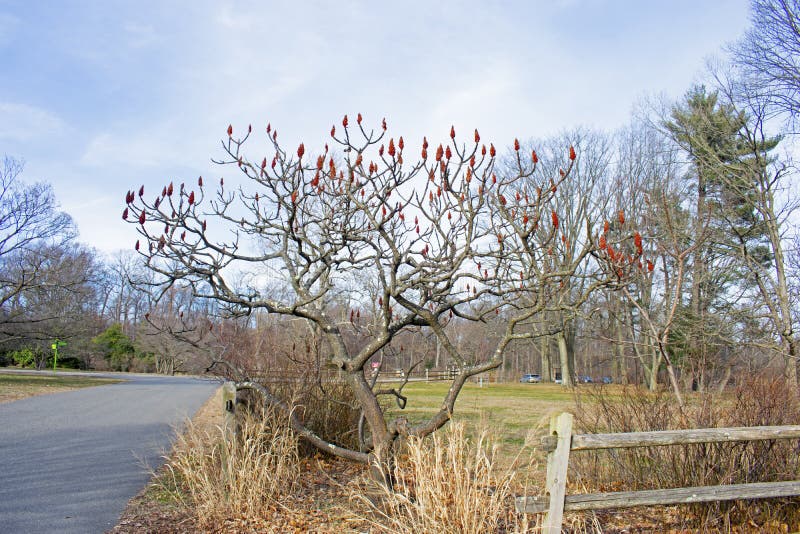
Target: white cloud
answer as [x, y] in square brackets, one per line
[229, 19]
[137, 147]
[21, 122]
[106, 148]
[478, 100]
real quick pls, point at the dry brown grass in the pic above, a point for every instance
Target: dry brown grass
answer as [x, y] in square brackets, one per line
[19, 386]
[447, 483]
[757, 401]
[322, 500]
[332, 495]
[464, 482]
[220, 478]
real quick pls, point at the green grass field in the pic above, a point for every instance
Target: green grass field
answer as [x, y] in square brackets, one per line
[515, 412]
[18, 386]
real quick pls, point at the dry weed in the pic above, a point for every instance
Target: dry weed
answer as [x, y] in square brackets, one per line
[219, 478]
[756, 401]
[446, 483]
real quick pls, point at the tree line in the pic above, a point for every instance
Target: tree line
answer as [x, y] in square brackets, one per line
[52, 287]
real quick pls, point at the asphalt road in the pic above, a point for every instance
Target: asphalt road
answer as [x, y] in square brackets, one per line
[69, 462]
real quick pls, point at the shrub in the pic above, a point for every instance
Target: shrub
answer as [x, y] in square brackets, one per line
[116, 347]
[24, 357]
[326, 406]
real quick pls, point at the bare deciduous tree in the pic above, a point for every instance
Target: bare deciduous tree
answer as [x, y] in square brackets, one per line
[769, 55]
[413, 243]
[34, 239]
[760, 181]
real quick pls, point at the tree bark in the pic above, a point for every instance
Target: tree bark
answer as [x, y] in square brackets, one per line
[652, 372]
[620, 367]
[563, 353]
[547, 371]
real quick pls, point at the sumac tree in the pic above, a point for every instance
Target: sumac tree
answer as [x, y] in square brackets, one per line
[416, 236]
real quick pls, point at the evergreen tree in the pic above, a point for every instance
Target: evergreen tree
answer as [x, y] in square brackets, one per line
[722, 169]
[116, 347]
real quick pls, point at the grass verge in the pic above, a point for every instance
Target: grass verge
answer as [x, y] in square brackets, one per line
[14, 387]
[317, 501]
[517, 413]
[245, 477]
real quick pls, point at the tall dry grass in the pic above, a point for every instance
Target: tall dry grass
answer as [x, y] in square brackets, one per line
[445, 484]
[243, 477]
[755, 401]
[328, 408]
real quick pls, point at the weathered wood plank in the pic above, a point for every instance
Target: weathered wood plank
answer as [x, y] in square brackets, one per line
[229, 409]
[532, 504]
[557, 463]
[228, 424]
[628, 499]
[582, 442]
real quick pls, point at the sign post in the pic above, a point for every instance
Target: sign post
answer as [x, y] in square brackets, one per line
[57, 343]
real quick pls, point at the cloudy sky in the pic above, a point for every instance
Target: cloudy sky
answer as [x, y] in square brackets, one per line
[98, 97]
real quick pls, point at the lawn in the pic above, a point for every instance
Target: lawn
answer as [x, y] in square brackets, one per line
[512, 410]
[18, 386]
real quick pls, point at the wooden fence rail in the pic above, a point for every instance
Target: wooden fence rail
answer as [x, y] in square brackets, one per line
[561, 441]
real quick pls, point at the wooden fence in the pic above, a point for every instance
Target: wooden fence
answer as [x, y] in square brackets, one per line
[561, 441]
[272, 376]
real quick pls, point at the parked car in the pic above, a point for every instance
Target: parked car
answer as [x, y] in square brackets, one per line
[607, 380]
[585, 379]
[531, 379]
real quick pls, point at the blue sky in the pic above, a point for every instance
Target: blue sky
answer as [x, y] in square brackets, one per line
[101, 97]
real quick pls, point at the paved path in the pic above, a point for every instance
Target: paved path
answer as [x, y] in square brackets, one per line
[69, 462]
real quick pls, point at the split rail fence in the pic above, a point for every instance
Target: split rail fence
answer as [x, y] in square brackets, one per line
[561, 441]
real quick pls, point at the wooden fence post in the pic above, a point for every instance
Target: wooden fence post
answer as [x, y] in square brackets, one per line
[228, 425]
[557, 462]
[229, 410]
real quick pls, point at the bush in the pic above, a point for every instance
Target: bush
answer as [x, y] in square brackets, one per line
[71, 362]
[116, 347]
[756, 401]
[24, 357]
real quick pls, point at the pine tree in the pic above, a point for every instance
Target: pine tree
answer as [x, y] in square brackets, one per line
[722, 170]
